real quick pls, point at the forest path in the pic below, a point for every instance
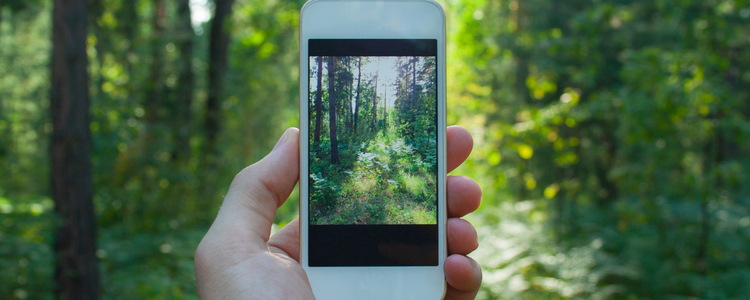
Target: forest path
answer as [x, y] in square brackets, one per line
[389, 183]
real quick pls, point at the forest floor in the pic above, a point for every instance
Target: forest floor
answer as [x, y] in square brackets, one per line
[389, 183]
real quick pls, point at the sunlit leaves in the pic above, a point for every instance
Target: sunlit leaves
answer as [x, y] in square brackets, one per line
[530, 181]
[599, 128]
[540, 83]
[566, 159]
[494, 158]
[551, 191]
[525, 151]
[24, 94]
[617, 107]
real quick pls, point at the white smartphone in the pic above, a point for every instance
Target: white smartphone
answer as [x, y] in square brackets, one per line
[372, 149]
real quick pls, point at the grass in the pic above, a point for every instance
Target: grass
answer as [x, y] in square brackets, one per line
[388, 183]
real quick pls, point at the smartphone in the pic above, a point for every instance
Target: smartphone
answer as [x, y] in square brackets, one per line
[372, 149]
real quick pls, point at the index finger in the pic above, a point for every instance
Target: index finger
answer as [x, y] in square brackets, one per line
[459, 145]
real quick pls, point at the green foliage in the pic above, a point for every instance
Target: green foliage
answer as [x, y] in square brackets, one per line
[155, 265]
[614, 134]
[611, 142]
[388, 184]
[24, 88]
[26, 222]
[26, 228]
[152, 207]
[386, 161]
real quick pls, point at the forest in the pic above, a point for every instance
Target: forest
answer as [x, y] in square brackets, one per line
[612, 139]
[373, 160]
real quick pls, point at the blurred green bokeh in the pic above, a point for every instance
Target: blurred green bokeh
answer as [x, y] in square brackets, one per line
[612, 143]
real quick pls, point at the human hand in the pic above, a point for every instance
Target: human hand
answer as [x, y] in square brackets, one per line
[238, 257]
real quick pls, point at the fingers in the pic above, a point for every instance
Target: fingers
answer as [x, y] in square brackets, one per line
[287, 239]
[463, 275]
[464, 196]
[258, 190]
[462, 237]
[459, 145]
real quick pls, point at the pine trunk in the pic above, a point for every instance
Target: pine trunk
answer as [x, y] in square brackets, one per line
[375, 99]
[350, 94]
[356, 99]
[332, 109]
[130, 31]
[76, 271]
[181, 123]
[319, 102]
[154, 88]
[413, 90]
[217, 65]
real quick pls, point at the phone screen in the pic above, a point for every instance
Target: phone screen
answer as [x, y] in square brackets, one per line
[373, 152]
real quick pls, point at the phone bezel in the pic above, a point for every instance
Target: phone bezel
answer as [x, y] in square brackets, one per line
[334, 19]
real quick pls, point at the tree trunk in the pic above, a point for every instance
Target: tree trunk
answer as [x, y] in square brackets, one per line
[154, 84]
[182, 121]
[701, 261]
[349, 110]
[332, 109]
[130, 31]
[319, 102]
[413, 87]
[76, 271]
[375, 99]
[217, 65]
[356, 99]
[713, 157]
[385, 110]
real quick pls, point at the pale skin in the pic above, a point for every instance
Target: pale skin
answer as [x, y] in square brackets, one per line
[239, 259]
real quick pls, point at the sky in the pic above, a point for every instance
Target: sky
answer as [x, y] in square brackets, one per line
[200, 12]
[387, 69]
[384, 66]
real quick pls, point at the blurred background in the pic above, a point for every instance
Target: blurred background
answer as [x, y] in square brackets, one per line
[612, 139]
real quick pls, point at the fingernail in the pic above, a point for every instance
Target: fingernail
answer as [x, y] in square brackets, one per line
[281, 140]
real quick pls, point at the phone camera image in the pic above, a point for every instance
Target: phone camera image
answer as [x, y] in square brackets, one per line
[373, 152]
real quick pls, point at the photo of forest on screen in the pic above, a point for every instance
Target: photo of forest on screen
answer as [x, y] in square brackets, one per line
[372, 140]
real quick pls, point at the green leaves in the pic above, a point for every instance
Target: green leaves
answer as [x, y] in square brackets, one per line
[609, 138]
[525, 151]
[617, 127]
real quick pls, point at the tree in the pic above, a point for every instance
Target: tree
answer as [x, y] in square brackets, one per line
[129, 28]
[332, 109]
[385, 109]
[319, 102]
[349, 94]
[181, 122]
[375, 98]
[356, 99]
[413, 86]
[76, 270]
[217, 65]
[154, 86]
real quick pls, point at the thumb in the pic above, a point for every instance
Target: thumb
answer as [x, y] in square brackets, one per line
[258, 190]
